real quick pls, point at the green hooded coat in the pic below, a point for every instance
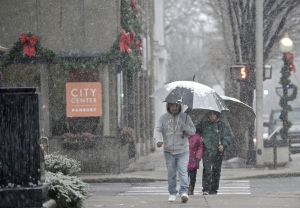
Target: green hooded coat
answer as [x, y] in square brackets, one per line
[211, 133]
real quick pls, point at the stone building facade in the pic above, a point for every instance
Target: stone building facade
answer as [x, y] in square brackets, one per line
[78, 32]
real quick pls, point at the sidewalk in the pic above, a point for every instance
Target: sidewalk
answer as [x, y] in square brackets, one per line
[290, 200]
[152, 168]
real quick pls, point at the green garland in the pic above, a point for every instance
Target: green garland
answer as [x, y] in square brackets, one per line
[54, 58]
[131, 62]
[285, 81]
[128, 21]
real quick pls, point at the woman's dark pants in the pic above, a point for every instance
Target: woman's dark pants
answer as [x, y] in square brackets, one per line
[211, 172]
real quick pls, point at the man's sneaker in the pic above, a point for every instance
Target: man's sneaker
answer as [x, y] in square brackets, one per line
[205, 192]
[213, 193]
[184, 198]
[172, 198]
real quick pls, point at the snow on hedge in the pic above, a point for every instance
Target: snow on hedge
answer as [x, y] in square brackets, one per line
[66, 188]
[59, 163]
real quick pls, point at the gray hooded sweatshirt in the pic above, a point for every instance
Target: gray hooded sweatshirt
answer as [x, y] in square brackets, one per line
[169, 130]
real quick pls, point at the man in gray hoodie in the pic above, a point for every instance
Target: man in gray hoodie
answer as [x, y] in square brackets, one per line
[172, 131]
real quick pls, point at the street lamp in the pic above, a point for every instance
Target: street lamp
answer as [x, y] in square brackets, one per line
[288, 91]
[286, 46]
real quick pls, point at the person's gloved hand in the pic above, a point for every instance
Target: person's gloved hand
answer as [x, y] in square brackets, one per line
[185, 129]
[159, 144]
[221, 148]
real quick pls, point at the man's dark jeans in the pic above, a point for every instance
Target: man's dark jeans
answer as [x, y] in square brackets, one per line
[211, 172]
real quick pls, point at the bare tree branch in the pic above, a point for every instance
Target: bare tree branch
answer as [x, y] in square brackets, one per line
[234, 35]
[275, 36]
[223, 32]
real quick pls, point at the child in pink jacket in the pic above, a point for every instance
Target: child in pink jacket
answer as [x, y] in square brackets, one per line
[196, 150]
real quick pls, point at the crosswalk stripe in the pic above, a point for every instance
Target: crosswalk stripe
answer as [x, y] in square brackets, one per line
[161, 188]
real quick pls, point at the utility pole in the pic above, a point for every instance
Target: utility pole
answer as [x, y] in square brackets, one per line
[259, 83]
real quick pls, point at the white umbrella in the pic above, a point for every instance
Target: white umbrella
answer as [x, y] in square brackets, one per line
[192, 94]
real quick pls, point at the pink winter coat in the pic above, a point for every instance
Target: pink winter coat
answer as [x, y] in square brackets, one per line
[196, 150]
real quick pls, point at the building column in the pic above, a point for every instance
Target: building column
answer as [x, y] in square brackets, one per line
[104, 80]
[44, 79]
[137, 119]
[147, 110]
[125, 99]
[151, 114]
[142, 115]
[113, 102]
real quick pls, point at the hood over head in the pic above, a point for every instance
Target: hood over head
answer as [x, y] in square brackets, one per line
[215, 112]
[168, 108]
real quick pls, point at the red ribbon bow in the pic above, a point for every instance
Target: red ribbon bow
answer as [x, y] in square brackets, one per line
[139, 45]
[28, 44]
[290, 57]
[133, 4]
[124, 40]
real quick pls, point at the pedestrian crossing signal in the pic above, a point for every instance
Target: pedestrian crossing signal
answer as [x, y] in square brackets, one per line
[243, 73]
[239, 72]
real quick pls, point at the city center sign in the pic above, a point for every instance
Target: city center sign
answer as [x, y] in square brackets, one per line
[84, 99]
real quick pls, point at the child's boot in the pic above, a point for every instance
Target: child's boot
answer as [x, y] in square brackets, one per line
[191, 190]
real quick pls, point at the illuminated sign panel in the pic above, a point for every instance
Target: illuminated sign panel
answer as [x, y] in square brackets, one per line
[84, 99]
[239, 72]
[243, 73]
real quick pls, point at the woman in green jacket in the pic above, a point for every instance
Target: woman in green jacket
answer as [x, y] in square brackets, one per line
[216, 139]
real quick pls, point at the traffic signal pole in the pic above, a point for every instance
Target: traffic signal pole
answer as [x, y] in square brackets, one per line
[259, 83]
[244, 75]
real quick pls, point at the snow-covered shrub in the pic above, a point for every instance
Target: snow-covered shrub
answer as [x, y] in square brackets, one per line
[67, 191]
[59, 163]
[66, 188]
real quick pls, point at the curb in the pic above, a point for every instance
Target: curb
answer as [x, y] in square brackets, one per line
[271, 175]
[149, 180]
[120, 180]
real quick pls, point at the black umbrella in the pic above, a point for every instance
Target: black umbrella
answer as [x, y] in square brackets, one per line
[239, 117]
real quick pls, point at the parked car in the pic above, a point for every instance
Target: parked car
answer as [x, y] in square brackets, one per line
[294, 131]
